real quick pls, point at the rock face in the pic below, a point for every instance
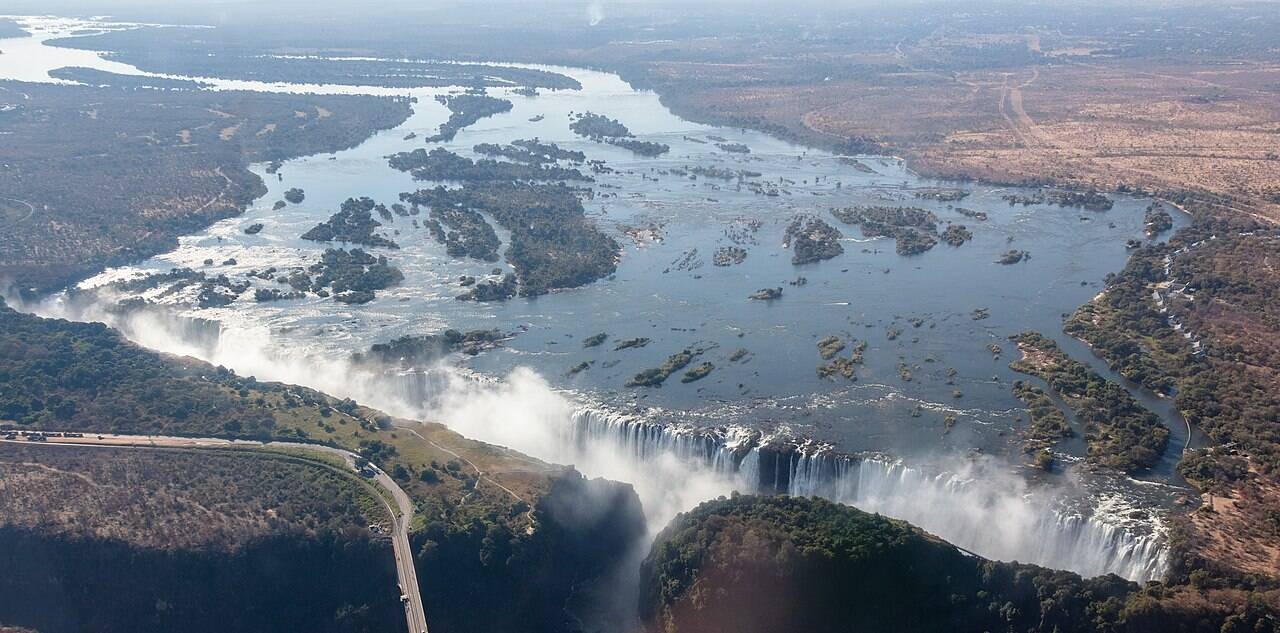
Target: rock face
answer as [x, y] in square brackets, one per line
[769, 564]
[489, 579]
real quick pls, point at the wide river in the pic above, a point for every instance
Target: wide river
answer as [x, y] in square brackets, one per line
[934, 314]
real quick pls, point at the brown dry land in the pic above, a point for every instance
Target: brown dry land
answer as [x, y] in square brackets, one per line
[1122, 109]
[1236, 529]
[176, 499]
[1187, 109]
[1103, 124]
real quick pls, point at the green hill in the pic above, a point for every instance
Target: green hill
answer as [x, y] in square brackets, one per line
[769, 564]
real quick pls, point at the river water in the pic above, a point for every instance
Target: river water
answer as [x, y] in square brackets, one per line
[924, 313]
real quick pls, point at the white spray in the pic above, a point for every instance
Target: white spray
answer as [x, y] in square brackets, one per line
[985, 512]
[595, 12]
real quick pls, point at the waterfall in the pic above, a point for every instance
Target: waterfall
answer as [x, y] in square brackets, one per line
[997, 521]
[990, 513]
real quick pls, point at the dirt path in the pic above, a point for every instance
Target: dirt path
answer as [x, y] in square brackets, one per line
[31, 209]
[479, 473]
[528, 514]
[221, 194]
[1019, 122]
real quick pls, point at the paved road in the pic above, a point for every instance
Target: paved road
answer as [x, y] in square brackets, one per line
[401, 515]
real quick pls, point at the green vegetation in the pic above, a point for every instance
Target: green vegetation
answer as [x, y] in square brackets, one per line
[353, 223]
[1048, 423]
[59, 374]
[83, 490]
[603, 129]
[470, 235]
[597, 126]
[465, 110]
[104, 536]
[765, 564]
[71, 376]
[858, 349]
[553, 244]
[913, 229]
[295, 195]
[697, 373]
[408, 351]
[641, 148]
[549, 151]
[1157, 220]
[1226, 377]
[811, 240]
[841, 366]
[942, 195]
[1120, 433]
[904, 372]
[442, 164]
[766, 294]
[654, 377]
[1012, 256]
[255, 58]
[531, 152]
[829, 347]
[956, 235]
[729, 256]
[1023, 199]
[631, 342]
[105, 176]
[1212, 469]
[492, 290]
[263, 295]
[1091, 200]
[95, 77]
[354, 275]
[511, 152]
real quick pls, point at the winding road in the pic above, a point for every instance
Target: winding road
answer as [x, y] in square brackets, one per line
[401, 515]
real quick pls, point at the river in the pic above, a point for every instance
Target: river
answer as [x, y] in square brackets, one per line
[943, 448]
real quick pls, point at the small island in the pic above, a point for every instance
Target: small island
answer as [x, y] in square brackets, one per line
[443, 165]
[913, 229]
[811, 240]
[697, 373]
[465, 110]
[1012, 256]
[353, 276]
[656, 376]
[766, 294]
[603, 129]
[353, 224]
